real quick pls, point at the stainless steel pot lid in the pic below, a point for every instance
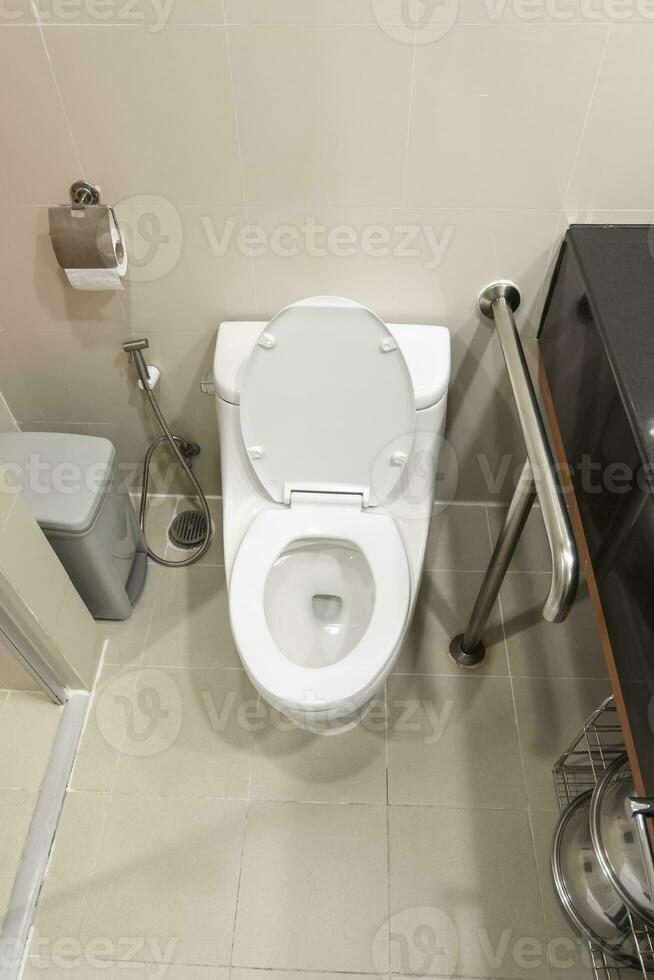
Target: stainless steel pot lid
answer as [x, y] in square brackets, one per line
[587, 896]
[615, 839]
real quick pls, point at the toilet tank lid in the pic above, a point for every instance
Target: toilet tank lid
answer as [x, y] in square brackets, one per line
[426, 350]
[62, 477]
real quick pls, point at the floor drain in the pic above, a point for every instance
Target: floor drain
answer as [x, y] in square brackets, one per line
[188, 529]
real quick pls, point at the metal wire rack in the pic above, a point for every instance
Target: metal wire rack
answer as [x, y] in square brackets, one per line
[578, 770]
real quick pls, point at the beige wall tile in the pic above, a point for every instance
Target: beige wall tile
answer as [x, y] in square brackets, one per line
[8, 492]
[620, 106]
[42, 163]
[7, 421]
[15, 376]
[305, 12]
[193, 276]
[326, 140]
[38, 595]
[17, 14]
[155, 17]
[327, 251]
[429, 25]
[78, 636]
[31, 566]
[542, 76]
[162, 120]
[12, 675]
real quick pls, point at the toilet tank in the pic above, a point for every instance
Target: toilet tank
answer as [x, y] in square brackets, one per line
[426, 350]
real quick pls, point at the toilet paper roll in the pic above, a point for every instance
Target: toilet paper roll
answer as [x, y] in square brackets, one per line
[103, 278]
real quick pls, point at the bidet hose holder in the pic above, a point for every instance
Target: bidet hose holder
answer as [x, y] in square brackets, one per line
[134, 348]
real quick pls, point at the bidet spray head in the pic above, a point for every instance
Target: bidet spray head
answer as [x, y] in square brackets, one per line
[133, 350]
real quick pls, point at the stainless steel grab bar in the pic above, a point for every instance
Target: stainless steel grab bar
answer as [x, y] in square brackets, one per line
[498, 302]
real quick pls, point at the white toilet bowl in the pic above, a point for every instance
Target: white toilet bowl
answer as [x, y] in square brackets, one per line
[319, 599]
[319, 421]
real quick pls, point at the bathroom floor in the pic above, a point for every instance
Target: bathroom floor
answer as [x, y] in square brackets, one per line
[28, 725]
[204, 833]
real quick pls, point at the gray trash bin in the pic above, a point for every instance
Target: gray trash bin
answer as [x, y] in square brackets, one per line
[74, 489]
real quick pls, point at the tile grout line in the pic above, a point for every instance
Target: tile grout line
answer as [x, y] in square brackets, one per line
[584, 125]
[39, 27]
[516, 723]
[388, 829]
[136, 668]
[110, 797]
[239, 144]
[242, 855]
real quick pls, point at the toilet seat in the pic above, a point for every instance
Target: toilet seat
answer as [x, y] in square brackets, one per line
[327, 403]
[349, 681]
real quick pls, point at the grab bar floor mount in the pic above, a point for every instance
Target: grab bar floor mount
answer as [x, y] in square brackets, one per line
[539, 478]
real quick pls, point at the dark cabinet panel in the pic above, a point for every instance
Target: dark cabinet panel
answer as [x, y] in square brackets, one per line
[599, 362]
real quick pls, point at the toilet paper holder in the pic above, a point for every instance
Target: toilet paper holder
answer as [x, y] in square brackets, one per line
[81, 232]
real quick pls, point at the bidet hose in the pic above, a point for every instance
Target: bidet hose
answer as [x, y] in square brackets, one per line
[174, 442]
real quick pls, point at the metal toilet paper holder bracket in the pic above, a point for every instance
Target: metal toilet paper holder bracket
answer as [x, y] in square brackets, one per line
[81, 232]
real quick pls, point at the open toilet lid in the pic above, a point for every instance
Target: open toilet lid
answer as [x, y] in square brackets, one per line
[327, 402]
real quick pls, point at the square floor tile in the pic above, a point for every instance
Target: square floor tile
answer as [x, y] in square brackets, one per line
[293, 764]
[109, 715]
[23, 760]
[532, 553]
[201, 737]
[158, 515]
[168, 870]
[190, 622]
[63, 899]
[443, 608]
[16, 809]
[453, 741]
[568, 954]
[458, 539]
[314, 888]
[215, 555]
[37, 968]
[244, 974]
[467, 878]
[540, 649]
[87, 968]
[551, 712]
[126, 638]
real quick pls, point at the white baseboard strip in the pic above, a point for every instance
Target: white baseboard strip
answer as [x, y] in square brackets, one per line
[18, 922]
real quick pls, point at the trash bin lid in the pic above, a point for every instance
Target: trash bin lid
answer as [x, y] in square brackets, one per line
[62, 477]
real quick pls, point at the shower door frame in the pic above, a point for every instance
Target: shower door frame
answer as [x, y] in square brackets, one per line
[31, 660]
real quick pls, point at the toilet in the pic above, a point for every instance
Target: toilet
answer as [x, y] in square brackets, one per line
[330, 429]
